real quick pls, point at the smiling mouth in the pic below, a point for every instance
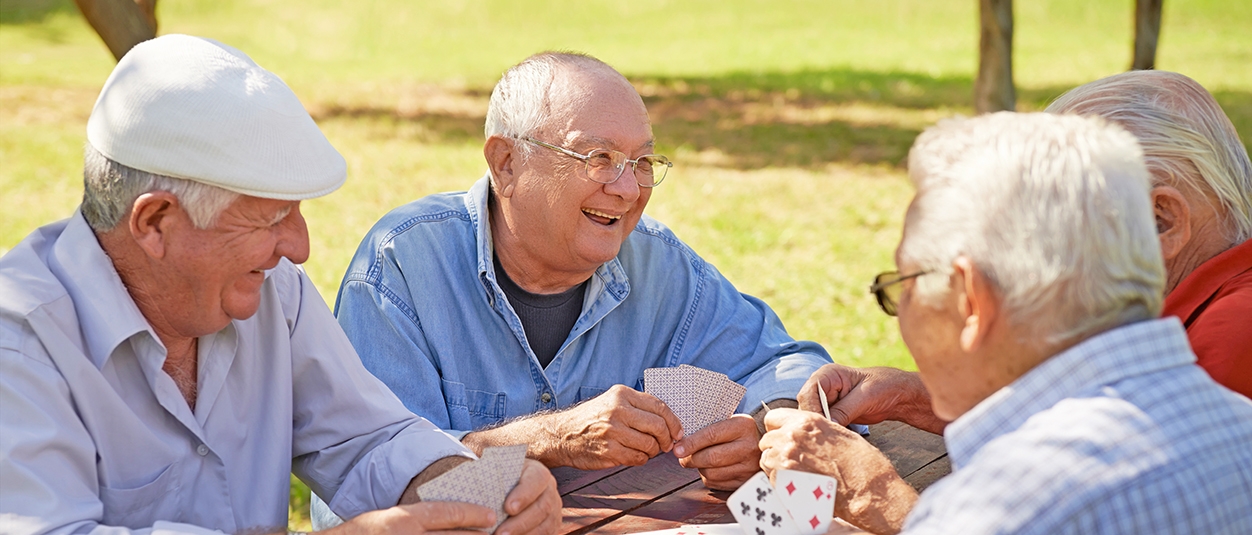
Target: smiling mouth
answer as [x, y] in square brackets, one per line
[601, 217]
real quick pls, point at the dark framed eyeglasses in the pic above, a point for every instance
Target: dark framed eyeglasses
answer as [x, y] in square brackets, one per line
[887, 289]
[606, 166]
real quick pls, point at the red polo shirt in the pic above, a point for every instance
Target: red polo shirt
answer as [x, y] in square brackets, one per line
[1214, 302]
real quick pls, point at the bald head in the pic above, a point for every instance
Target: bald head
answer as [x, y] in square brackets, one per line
[548, 90]
[1188, 142]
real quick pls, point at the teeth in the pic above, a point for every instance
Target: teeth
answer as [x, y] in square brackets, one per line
[602, 214]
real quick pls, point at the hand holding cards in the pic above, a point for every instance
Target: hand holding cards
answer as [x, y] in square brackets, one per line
[486, 481]
[799, 503]
[698, 397]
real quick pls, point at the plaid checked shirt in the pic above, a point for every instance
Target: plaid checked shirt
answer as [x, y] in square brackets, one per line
[1121, 433]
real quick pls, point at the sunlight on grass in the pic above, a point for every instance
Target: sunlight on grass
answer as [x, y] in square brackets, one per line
[789, 122]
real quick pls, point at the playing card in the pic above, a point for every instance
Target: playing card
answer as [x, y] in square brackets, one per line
[758, 509]
[698, 397]
[485, 481]
[809, 498]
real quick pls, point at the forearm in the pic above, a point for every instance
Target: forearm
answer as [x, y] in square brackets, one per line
[883, 506]
[433, 471]
[540, 432]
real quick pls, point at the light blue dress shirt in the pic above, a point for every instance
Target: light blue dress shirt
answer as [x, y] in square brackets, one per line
[1121, 433]
[422, 306]
[96, 438]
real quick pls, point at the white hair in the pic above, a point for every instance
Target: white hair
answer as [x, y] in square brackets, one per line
[110, 188]
[521, 102]
[1053, 209]
[1187, 140]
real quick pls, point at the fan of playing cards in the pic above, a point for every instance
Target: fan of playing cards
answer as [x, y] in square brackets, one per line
[799, 503]
[698, 397]
[486, 481]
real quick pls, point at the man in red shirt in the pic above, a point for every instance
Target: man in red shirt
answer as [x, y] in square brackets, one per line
[1202, 199]
[1202, 196]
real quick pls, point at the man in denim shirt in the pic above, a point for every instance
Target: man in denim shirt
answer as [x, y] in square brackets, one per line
[526, 309]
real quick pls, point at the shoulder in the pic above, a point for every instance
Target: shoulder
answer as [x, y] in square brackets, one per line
[653, 242]
[435, 221]
[26, 283]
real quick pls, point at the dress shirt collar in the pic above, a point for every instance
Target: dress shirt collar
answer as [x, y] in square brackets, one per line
[610, 275]
[1106, 358]
[107, 314]
[1199, 286]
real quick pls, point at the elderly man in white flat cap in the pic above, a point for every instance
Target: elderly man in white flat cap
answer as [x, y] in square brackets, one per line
[166, 364]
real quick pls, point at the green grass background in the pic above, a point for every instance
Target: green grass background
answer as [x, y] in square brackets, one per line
[789, 121]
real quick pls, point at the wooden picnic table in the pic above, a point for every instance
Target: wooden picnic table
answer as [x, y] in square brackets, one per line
[662, 495]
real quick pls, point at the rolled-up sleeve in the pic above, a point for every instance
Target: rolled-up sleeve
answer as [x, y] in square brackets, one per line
[354, 443]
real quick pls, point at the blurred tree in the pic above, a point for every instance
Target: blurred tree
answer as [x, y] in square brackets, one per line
[993, 91]
[1147, 30]
[122, 24]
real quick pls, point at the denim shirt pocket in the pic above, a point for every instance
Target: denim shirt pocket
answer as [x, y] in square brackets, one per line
[587, 392]
[140, 506]
[473, 409]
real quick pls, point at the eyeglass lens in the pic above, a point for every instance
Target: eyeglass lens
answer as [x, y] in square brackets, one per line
[887, 291]
[605, 166]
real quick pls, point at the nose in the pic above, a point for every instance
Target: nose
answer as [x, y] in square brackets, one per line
[626, 186]
[293, 237]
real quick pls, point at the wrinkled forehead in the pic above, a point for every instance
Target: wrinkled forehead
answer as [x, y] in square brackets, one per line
[597, 106]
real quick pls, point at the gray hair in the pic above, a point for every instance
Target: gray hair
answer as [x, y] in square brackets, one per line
[1053, 209]
[521, 102]
[110, 188]
[1187, 140]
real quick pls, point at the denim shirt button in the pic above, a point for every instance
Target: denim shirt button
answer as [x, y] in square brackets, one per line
[202, 450]
[546, 397]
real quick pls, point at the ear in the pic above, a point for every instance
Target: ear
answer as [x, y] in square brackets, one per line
[501, 158]
[978, 303]
[1173, 219]
[150, 219]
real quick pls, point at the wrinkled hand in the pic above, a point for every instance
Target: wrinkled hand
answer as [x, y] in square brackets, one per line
[869, 493]
[870, 395]
[534, 506]
[619, 427]
[725, 453]
[418, 519]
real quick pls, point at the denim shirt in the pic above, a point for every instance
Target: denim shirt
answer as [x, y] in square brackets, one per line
[421, 304]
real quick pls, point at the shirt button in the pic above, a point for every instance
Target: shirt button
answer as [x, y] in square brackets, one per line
[202, 450]
[546, 397]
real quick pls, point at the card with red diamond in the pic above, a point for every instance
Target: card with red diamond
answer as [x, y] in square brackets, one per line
[810, 498]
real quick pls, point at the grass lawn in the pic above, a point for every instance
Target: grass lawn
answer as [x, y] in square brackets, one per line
[789, 121]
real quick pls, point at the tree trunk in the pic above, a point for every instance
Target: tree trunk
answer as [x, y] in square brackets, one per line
[1147, 31]
[122, 24]
[993, 91]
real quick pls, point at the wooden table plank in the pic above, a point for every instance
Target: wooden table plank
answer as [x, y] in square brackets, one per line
[662, 494]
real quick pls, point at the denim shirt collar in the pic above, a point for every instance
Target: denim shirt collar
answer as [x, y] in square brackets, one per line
[1106, 358]
[609, 277]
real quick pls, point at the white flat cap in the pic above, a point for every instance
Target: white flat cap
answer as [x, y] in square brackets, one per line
[196, 109]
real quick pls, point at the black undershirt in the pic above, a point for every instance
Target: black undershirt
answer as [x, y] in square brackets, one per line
[546, 319]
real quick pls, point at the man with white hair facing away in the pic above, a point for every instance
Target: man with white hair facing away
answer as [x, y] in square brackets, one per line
[166, 364]
[1029, 281]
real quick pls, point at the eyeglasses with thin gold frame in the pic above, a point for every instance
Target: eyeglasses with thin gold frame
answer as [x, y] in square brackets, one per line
[606, 166]
[887, 289]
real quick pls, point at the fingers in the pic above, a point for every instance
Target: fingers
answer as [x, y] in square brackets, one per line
[534, 505]
[435, 516]
[668, 429]
[737, 427]
[779, 417]
[534, 482]
[835, 379]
